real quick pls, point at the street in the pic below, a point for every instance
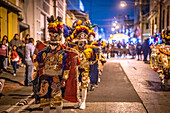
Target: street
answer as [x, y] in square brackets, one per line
[121, 90]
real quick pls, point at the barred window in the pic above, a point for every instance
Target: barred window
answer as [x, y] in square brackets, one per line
[60, 6]
[59, 14]
[45, 7]
[48, 1]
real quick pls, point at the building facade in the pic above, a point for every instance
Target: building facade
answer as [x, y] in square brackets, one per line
[36, 12]
[29, 16]
[75, 11]
[159, 15]
[141, 23]
[9, 14]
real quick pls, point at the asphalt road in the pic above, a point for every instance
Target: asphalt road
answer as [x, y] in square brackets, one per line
[115, 94]
[114, 86]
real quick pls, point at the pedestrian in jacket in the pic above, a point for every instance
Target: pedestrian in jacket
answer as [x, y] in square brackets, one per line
[146, 49]
[3, 54]
[139, 50]
[6, 63]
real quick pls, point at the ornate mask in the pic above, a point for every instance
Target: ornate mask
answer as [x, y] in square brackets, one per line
[55, 37]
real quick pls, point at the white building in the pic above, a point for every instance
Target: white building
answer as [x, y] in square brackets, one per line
[35, 13]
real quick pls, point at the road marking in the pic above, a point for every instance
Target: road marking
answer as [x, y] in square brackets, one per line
[22, 108]
[15, 106]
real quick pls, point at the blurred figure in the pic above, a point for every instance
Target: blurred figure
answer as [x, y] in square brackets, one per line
[108, 50]
[3, 54]
[27, 38]
[112, 49]
[146, 49]
[124, 47]
[29, 52]
[123, 43]
[132, 50]
[119, 45]
[139, 50]
[6, 63]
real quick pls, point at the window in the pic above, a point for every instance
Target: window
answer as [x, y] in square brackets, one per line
[156, 20]
[152, 27]
[42, 27]
[60, 6]
[168, 19]
[45, 7]
[147, 26]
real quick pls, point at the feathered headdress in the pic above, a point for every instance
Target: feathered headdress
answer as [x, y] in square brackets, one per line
[77, 23]
[77, 31]
[55, 25]
[90, 26]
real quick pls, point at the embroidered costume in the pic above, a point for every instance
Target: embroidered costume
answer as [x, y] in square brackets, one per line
[79, 40]
[160, 59]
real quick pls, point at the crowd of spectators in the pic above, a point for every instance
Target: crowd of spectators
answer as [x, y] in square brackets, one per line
[133, 49]
[19, 53]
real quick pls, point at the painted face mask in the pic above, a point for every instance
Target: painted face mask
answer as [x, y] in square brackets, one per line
[55, 37]
[81, 44]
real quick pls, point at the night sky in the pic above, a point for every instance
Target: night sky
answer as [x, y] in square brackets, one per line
[102, 12]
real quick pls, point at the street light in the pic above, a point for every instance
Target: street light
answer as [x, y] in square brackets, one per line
[114, 24]
[123, 4]
[113, 29]
[117, 27]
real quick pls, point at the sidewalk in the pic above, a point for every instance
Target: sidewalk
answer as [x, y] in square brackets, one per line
[14, 90]
[147, 84]
[12, 82]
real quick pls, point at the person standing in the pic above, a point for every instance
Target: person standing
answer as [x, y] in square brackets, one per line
[132, 50]
[145, 49]
[7, 53]
[29, 51]
[112, 49]
[138, 50]
[108, 50]
[124, 47]
[3, 54]
[119, 45]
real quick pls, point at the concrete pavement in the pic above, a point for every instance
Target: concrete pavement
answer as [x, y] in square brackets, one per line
[12, 82]
[148, 85]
